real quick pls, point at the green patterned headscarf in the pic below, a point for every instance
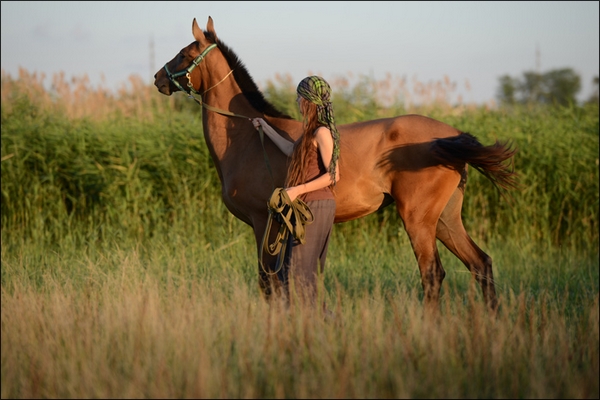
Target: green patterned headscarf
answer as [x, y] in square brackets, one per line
[316, 90]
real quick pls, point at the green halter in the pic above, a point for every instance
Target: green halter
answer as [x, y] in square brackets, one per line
[172, 76]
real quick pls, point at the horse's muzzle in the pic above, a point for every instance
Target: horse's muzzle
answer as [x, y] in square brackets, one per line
[163, 88]
[162, 83]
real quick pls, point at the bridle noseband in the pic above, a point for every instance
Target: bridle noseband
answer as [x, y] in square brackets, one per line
[173, 76]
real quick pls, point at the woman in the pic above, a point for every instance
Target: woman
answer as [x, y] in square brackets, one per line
[312, 174]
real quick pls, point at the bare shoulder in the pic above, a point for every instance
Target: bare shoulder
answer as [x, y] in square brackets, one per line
[322, 133]
[321, 130]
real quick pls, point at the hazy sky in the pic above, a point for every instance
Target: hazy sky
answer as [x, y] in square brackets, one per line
[423, 41]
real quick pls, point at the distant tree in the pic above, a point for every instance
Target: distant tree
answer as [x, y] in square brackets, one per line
[594, 96]
[531, 88]
[507, 90]
[559, 86]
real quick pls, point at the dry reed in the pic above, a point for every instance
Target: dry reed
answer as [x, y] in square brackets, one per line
[77, 98]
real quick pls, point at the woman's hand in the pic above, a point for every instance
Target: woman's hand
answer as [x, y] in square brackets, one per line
[293, 192]
[257, 122]
[286, 146]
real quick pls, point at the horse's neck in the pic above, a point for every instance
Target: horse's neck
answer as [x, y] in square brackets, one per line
[220, 87]
[224, 132]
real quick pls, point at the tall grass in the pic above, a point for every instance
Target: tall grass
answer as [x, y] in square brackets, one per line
[182, 320]
[123, 275]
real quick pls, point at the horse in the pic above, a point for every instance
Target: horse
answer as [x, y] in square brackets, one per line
[413, 161]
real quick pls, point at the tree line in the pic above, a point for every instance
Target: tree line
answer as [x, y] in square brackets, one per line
[555, 87]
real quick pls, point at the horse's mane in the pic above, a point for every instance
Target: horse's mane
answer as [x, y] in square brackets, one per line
[245, 81]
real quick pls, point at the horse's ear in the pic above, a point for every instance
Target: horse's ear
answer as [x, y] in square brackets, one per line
[210, 27]
[198, 34]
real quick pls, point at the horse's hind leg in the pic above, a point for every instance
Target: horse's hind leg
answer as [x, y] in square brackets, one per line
[451, 232]
[419, 223]
[422, 238]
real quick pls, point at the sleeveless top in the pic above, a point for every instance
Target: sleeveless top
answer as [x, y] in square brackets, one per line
[314, 169]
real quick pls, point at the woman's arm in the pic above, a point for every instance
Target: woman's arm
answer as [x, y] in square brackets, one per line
[284, 145]
[325, 142]
[325, 145]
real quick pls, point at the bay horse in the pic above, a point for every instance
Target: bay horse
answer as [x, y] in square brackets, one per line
[414, 161]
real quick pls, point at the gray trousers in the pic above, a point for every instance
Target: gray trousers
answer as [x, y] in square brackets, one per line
[304, 262]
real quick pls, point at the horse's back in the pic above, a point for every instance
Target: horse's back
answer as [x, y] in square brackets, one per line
[379, 154]
[397, 131]
[397, 143]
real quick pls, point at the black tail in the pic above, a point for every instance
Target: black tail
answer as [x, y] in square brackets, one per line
[495, 162]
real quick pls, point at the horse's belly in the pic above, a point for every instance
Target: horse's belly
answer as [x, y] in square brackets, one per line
[350, 207]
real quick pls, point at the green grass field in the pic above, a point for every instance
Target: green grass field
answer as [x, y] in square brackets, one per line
[123, 275]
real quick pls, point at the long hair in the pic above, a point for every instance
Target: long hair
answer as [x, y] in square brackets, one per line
[297, 168]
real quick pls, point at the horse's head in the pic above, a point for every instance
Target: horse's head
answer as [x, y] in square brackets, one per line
[189, 72]
[182, 70]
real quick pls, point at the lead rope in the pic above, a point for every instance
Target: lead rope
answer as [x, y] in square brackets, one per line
[292, 216]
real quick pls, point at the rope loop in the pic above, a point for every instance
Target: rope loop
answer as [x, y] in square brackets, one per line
[292, 216]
